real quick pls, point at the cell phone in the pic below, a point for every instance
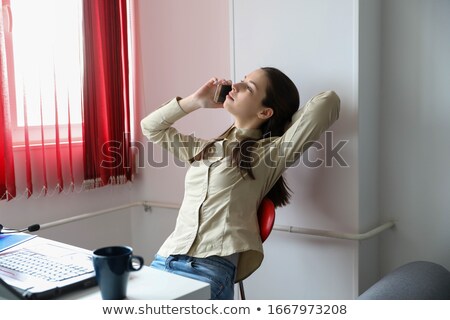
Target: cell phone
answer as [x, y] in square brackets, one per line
[221, 92]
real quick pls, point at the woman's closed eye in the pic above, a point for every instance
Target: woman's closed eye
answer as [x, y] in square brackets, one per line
[247, 86]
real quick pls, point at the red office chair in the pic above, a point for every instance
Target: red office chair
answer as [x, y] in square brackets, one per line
[266, 219]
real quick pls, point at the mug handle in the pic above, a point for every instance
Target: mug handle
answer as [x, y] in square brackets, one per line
[139, 264]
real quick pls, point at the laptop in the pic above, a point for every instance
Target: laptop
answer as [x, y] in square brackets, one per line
[39, 268]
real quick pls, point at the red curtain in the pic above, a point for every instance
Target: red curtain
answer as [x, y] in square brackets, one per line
[105, 104]
[7, 177]
[106, 122]
[26, 95]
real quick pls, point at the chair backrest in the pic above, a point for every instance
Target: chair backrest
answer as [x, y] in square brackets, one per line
[266, 218]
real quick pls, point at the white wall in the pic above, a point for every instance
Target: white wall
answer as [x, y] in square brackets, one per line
[313, 263]
[415, 118]
[183, 44]
[314, 42]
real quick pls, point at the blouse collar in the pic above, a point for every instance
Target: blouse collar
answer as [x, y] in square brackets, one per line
[242, 134]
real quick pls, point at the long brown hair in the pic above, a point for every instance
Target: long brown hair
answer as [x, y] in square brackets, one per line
[283, 97]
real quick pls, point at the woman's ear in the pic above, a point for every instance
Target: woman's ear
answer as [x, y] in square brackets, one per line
[265, 113]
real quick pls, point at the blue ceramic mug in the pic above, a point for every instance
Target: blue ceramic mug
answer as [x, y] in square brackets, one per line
[112, 267]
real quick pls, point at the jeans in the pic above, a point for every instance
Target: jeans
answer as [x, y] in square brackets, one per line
[216, 271]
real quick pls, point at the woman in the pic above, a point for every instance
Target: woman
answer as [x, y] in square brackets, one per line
[216, 237]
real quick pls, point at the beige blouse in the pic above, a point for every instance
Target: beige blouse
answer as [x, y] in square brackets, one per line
[218, 212]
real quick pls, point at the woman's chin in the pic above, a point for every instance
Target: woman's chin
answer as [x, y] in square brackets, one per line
[226, 105]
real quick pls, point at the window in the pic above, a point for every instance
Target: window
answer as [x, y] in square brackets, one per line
[48, 63]
[67, 67]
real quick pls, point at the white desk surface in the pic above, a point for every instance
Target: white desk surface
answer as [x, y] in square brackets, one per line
[152, 284]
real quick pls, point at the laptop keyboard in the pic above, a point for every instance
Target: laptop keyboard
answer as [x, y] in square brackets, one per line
[37, 265]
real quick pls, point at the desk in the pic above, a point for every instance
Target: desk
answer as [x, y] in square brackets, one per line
[152, 284]
[145, 284]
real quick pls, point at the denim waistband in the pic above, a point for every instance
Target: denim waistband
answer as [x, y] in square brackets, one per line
[213, 259]
[225, 261]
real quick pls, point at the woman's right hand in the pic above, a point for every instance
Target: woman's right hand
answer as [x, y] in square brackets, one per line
[204, 96]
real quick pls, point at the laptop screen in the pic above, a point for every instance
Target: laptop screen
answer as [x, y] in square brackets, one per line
[10, 240]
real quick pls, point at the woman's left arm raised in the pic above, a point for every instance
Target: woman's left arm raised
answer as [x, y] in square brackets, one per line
[307, 125]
